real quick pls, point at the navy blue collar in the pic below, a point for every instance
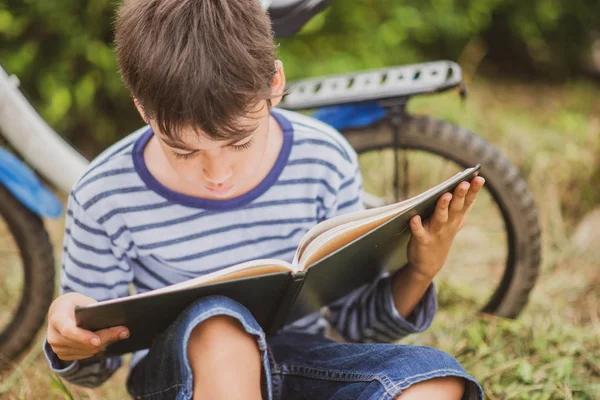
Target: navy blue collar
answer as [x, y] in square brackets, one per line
[209, 204]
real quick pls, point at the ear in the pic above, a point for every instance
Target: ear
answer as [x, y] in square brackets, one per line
[141, 110]
[278, 85]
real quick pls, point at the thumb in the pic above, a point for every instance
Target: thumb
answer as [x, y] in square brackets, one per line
[112, 334]
[416, 227]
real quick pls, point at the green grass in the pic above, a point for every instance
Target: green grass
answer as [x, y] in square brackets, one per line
[553, 350]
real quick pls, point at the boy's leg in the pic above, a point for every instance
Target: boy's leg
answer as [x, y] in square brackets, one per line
[221, 352]
[449, 387]
[308, 366]
[166, 372]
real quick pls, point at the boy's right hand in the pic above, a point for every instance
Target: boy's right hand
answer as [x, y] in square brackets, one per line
[70, 342]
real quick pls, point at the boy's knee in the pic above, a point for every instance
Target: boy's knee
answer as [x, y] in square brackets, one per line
[218, 325]
[220, 335]
[443, 388]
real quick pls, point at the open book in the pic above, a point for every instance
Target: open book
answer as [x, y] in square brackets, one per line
[333, 258]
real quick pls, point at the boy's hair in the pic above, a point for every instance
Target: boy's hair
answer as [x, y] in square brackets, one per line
[199, 64]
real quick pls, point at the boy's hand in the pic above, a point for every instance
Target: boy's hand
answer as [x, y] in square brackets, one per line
[430, 242]
[70, 342]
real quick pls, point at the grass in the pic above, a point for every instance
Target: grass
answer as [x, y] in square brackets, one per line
[553, 350]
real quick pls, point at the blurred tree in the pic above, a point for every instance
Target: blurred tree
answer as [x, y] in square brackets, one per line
[61, 49]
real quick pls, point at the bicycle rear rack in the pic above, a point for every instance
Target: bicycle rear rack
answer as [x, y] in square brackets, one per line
[390, 84]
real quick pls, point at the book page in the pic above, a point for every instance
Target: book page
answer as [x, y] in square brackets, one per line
[339, 236]
[244, 270]
[344, 219]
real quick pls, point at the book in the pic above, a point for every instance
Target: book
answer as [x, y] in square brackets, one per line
[333, 258]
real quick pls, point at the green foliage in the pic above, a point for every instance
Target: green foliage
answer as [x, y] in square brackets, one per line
[58, 385]
[61, 50]
[548, 37]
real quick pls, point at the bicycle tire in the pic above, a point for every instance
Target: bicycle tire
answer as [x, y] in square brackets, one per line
[37, 293]
[506, 185]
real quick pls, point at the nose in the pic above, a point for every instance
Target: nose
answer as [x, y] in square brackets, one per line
[216, 170]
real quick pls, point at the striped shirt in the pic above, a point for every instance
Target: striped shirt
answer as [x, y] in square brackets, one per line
[125, 230]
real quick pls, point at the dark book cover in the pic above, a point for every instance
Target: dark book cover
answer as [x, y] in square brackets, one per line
[278, 298]
[147, 317]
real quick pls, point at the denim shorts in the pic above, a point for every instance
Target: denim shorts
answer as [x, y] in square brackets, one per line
[295, 365]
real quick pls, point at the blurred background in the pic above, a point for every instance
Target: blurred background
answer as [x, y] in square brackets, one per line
[532, 69]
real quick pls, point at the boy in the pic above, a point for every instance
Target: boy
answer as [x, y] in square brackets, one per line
[193, 192]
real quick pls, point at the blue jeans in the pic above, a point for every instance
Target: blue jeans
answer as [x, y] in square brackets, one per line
[295, 365]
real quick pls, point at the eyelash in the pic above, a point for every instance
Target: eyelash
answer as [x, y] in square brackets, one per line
[187, 156]
[244, 146]
[238, 147]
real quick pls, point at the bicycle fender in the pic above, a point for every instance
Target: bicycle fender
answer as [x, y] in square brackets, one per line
[350, 115]
[22, 182]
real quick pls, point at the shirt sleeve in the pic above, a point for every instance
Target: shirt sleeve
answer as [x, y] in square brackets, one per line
[92, 266]
[368, 314]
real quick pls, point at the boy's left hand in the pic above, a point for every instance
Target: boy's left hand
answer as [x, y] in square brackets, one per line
[430, 242]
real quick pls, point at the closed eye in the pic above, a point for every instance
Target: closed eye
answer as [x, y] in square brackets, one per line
[184, 156]
[240, 147]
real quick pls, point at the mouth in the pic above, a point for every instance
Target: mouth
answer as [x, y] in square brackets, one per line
[220, 190]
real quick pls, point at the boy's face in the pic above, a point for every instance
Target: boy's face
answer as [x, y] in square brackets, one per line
[224, 169]
[220, 168]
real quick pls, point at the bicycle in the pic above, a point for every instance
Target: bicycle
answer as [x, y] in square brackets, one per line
[26, 254]
[368, 107]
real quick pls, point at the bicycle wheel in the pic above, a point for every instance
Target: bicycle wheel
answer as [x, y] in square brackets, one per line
[503, 227]
[26, 277]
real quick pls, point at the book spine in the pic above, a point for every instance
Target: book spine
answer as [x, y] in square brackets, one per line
[287, 302]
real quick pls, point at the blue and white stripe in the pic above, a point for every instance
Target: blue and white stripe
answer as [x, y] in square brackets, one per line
[126, 232]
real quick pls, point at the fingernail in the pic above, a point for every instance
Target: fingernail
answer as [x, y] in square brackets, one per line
[95, 341]
[124, 335]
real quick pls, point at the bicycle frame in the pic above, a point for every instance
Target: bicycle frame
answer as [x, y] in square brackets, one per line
[22, 182]
[35, 140]
[41, 146]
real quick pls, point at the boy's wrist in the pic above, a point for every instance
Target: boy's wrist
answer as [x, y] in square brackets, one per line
[408, 287]
[419, 273]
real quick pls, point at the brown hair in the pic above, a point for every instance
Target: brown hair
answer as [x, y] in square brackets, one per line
[200, 64]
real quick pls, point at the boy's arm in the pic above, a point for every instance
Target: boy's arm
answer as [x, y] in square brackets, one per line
[369, 314]
[91, 266]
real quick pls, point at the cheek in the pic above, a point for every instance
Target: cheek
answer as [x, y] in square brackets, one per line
[251, 159]
[190, 169]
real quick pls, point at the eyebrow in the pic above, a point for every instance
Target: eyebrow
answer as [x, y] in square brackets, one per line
[182, 146]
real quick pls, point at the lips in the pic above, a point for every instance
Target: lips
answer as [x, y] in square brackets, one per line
[219, 190]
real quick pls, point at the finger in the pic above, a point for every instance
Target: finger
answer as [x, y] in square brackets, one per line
[440, 215]
[476, 185]
[55, 339]
[113, 334]
[458, 199]
[74, 356]
[417, 228]
[70, 331]
[63, 352]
